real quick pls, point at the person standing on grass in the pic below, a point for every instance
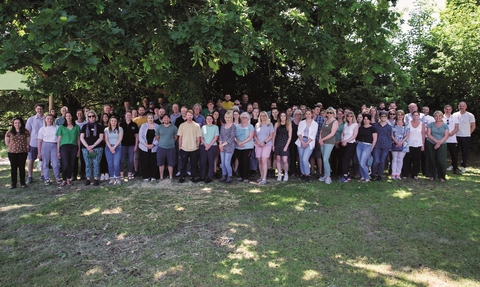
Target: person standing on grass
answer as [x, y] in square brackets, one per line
[307, 131]
[33, 125]
[383, 146]
[47, 145]
[416, 144]
[244, 145]
[148, 149]
[400, 134]
[129, 145]
[453, 127]
[281, 145]
[466, 126]
[367, 139]
[208, 149]
[113, 149]
[68, 147]
[436, 148]
[263, 137]
[80, 122]
[349, 134]
[227, 146]
[293, 166]
[327, 143]
[166, 134]
[17, 139]
[189, 135]
[91, 137]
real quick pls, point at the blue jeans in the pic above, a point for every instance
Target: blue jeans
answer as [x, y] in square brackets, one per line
[226, 163]
[363, 154]
[127, 151]
[113, 160]
[379, 159]
[303, 157]
[326, 150]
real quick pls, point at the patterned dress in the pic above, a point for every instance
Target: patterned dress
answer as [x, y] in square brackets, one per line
[281, 138]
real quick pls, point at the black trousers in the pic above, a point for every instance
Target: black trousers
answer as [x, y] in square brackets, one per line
[184, 157]
[148, 161]
[17, 165]
[68, 153]
[463, 145]
[244, 162]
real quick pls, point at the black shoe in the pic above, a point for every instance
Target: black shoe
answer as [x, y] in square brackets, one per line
[457, 171]
[200, 179]
[307, 178]
[96, 182]
[29, 180]
[379, 178]
[194, 180]
[224, 178]
[181, 180]
[229, 180]
[12, 186]
[208, 180]
[87, 182]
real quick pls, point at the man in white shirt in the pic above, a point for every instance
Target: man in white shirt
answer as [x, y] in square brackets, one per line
[33, 125]
[466, 126]
[452, 123]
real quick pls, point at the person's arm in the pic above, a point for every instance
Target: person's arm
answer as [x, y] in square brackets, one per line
[180, 138]
[423, 136]
[40, 141]
[374, 142]
[332, 133]
[120, 138]
[455, 130]
[59, 139]
[289, 138]
[7, 140]
[472, 127]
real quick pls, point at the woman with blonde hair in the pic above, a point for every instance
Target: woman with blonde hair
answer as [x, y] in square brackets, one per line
[47, 147]
[307, 131]
[400, 134]
[327, 142]
[281, 143]
[263, 144]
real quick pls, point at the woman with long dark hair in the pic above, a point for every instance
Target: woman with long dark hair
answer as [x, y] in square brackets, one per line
[17, 140]
[68, 147]
[91, 137]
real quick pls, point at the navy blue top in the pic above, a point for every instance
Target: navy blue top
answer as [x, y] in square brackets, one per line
[384, 136]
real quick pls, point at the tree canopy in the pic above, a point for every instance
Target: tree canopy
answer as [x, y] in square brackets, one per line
[193, 50]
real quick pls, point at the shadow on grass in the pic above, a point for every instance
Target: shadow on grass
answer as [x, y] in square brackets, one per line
[377, 234]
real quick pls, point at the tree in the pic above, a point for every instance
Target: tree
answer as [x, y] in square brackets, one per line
[100, 50]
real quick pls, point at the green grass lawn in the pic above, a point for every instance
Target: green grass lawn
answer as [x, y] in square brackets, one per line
[407, 233]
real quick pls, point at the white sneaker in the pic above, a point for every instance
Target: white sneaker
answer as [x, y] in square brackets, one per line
[189, 173]
[107, 176]
[328, 180]
[450, 167]
[285, 177]
[102, 177]
[463, 170]
[279, 177]
[112, 181]
[323, 178]
[177, 174]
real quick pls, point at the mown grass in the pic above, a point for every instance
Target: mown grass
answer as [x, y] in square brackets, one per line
[413, 233]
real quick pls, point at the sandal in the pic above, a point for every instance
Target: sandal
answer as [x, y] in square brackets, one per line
[121, 179]
[63, 183]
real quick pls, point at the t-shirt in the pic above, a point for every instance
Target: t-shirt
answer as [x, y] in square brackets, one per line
[451, 123]
[242, 133]
[129, 132]
[263, 132]
[48, 134]
[189, 133]
[166, 136]
[140, 121]
[92, 133]
[366, 134]
[209, 133]
[113, 135]
[437, 132]
[464, 123]
[68, 136]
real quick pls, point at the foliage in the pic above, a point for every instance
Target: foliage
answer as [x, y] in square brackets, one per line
[106, 50]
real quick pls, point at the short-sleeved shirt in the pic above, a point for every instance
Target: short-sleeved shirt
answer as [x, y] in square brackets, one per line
[48, 134]
[129, 132]
[92, 133]
[451, 122]
[464, 121]
[366, 134]
[263, 131]
[209, 133]
[189, 133]
[69, 136]
[166, 136]
[242, 133]
[384, 136]
[140, 120]
[113, 135]
[199, 120]
[437, 132]
[18, 142]
[33, 125]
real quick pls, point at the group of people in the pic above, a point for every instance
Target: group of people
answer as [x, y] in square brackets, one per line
[237, 138]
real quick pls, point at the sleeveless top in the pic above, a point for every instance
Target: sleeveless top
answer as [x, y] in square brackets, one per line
[326, 130]
[348, 131]
[415, 138]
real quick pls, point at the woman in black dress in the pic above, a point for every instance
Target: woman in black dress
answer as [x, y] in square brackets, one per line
[281, 142]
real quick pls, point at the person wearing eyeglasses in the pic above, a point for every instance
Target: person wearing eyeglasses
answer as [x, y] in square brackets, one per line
[327, 142]
[453, 127]
[348, 142]
[91, 137]
[367, 139]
